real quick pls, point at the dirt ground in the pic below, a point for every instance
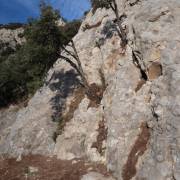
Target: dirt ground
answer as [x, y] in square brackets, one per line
[37, 167]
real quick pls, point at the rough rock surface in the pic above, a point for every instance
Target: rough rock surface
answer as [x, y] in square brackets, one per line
[95, 176]
[79, 134]
[155, 35]
[10, 38]
[140, 106]
[33, 127]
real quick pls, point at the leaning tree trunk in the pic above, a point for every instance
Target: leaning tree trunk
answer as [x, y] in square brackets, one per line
[82, 74]
[77, 66]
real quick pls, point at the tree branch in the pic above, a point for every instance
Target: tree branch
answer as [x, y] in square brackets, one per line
[68, 52]
[122, 34]
[70, 62]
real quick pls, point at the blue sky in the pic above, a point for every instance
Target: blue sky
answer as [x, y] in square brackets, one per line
[20, 10]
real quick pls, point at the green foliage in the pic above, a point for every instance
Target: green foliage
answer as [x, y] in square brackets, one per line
[23, 72]
[100, 4]
[69, 30]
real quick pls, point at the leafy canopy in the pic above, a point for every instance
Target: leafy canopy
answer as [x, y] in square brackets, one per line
[23, 72]
[100, 4]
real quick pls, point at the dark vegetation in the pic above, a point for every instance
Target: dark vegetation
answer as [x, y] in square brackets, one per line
[12, 26]
[23, 72]
[99, 4]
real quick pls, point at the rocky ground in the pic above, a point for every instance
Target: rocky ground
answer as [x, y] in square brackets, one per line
[37, 167]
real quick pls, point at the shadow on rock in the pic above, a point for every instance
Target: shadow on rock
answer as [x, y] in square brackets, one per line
[63, 83]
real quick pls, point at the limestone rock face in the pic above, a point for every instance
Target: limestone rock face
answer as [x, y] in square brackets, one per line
[80, 134]
[10, 38]
[126, 110]
[139, 108]
[95, 176]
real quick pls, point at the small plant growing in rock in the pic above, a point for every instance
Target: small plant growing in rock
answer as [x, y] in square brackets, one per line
[113, 5]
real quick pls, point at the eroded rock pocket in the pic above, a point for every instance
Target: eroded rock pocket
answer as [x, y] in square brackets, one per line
[154, 70]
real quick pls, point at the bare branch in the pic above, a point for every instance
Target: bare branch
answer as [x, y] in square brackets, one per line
[78, 69]
[70, 62]
[69, 52]
[122, 33]
[111, 6]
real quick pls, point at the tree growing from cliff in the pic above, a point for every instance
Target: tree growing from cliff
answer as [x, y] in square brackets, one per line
[23, 72]
[113, 5]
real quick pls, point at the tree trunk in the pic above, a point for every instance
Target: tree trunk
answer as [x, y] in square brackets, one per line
[123, 34]
[78, 66]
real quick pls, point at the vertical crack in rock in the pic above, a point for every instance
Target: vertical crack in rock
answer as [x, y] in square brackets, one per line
[102, 135]
[138, 149]
[137, 64]
[144, 76]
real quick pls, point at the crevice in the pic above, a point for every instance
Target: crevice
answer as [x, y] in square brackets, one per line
[144, 76]
[155, 115]
[137, 64]
[102, 136]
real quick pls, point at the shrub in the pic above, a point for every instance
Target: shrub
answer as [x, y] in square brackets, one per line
[11, 26]
[69, 30]
[99, 4]
[23, 72]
